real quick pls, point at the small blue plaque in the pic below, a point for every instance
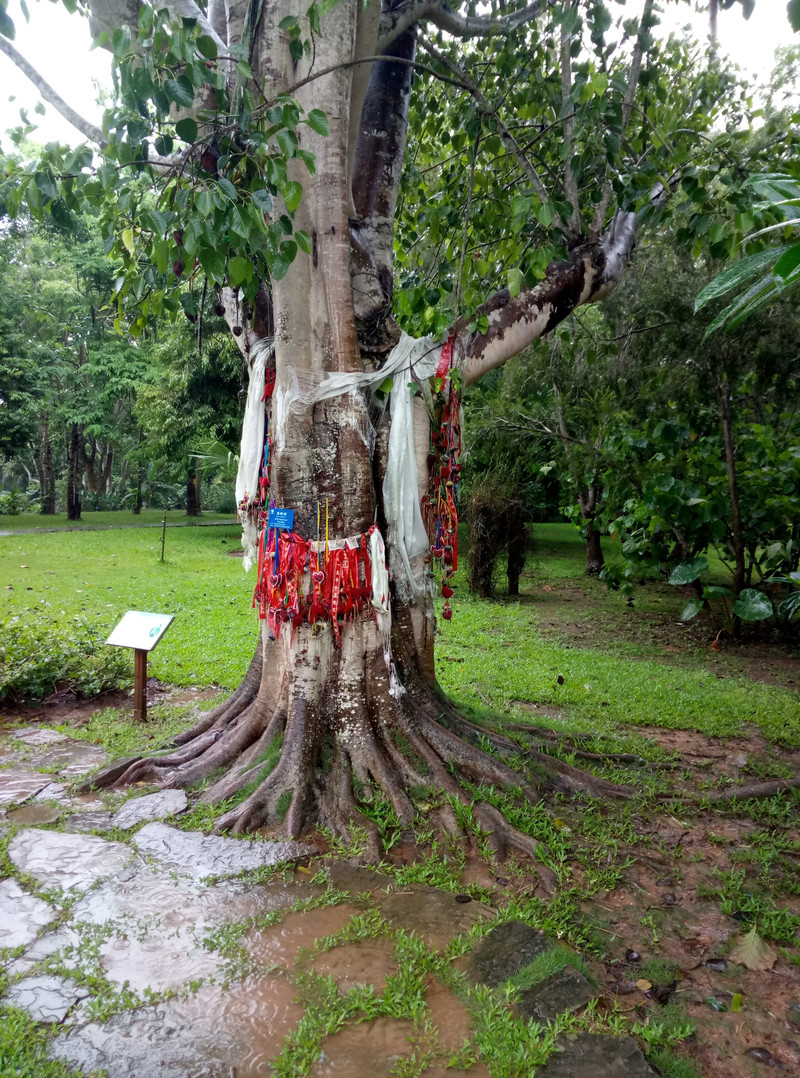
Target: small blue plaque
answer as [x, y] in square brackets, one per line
[281, 518]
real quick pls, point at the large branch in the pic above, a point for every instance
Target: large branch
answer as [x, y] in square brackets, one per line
[590, 274]
[92, 133]
[107, 15]
[403, 17]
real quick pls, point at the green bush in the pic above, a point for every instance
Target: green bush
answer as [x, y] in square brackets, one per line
[39, 657]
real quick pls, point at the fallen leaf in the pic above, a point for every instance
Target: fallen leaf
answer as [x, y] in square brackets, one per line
[715, 1004]
[736, 1003]
[751, 951]
[643, 985]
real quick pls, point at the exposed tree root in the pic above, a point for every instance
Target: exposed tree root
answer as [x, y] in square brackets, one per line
[755, 790]
[303, 750]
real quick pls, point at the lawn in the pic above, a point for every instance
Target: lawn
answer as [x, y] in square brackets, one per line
[115, 518]
[95, 577]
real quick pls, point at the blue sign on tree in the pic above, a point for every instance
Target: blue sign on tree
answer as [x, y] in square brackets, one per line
[281, 518]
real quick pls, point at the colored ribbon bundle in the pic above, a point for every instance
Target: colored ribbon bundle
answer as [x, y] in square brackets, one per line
[306, 581]
[439, 505]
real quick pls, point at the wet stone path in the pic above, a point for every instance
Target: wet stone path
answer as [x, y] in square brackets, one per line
[152, 950]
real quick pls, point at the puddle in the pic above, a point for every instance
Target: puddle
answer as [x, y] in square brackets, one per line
[58, 859]
[434, 915]
[34, 814]
[217, 1032]
[70, 759]
[17, 785]
[280, 945]
[366, 962]
[370, 1048]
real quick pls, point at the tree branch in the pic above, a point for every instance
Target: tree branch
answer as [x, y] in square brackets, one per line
[570, 183]
[393, 23]
[506, 137]
[89, 130]
[627, 108]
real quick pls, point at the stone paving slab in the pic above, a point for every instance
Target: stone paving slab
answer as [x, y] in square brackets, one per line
[21, 915]
[155, 806]
[567, 990]
[39, 735]
[596, 1055]
[46, 999]
[70, 758]
[211, 855]
[57, 859]
[17, 785]
[506, 950]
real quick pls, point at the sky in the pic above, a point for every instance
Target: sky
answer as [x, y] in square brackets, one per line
[58, 45]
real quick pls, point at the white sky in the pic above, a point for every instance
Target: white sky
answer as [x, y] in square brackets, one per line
[58, 45]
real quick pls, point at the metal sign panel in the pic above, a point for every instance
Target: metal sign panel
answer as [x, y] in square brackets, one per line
[140, 630]
[281, 518]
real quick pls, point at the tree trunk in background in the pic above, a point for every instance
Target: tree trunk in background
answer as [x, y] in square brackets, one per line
[105, 477]
[49, 483]
[514, 519]
[74, 470]
[88, 461]
[737, 532]
[192, 491]
[594, 552]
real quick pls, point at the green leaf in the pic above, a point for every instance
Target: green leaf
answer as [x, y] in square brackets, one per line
[228, 188]
[788, 262]
[752, 605]
[292, 192]
[318, 121]
[736, 1002]
[793, 11]
[207, 47]
[180, 91]
[239, 270]
[714, 591]
[6, 24]
[127, 239]
[243, 70]
[688, 571]
[735, 275]
[262, 199]
[515, 280]
[287, 140]
[164, 144]
[692, 609]
[303, 241]
[212, 259]
[186, 129]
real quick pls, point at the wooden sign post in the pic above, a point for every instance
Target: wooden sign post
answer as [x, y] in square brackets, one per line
[142, 632]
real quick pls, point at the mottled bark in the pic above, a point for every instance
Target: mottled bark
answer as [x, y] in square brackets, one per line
[74, 471]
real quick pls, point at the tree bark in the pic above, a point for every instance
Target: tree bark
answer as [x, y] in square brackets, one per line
[594, 552]
[74, 471]
[48, 481]
[192, 491]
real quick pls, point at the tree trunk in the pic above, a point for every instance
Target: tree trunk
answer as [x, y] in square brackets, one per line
[192, 491]
[74, 470]
[594, 552]
[105, 478]
[88, 461]
[48, 480]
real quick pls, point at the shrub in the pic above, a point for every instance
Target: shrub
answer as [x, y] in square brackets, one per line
[39, 657]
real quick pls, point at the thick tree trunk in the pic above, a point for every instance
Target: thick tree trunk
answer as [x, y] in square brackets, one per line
[74, 471]
[89, 461]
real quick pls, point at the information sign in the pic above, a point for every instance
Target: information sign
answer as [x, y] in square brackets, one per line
[140, 630]
[281, 518]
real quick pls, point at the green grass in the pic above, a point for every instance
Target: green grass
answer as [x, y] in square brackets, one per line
[98, 576]
[116, 518]
[493, 653]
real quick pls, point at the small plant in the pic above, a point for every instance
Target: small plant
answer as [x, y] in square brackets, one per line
[722, 604]
[39, 658]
